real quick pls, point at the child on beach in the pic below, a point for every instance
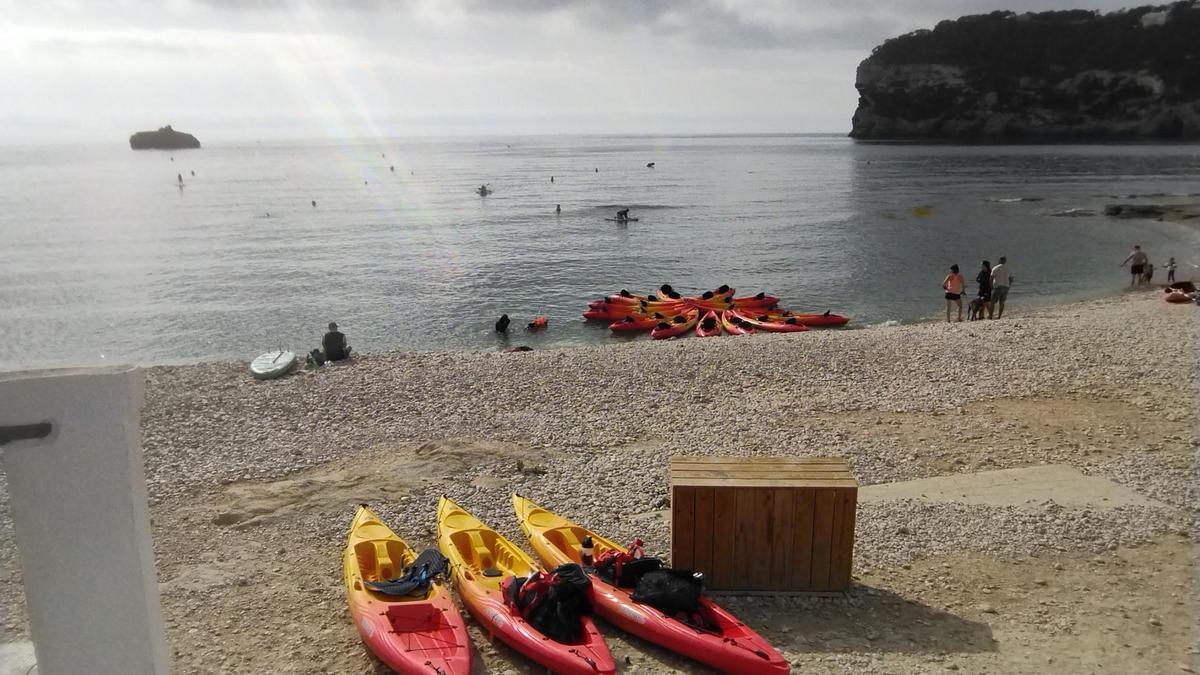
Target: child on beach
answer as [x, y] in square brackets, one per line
[953, 286]
[1171, 271]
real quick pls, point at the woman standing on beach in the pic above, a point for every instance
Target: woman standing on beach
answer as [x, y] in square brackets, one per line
[953, 285]
[985, 286]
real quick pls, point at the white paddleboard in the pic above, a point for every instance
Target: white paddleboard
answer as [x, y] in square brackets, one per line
[272, 364]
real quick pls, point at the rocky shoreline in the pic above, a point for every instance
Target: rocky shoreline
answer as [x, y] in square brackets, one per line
[252, 483]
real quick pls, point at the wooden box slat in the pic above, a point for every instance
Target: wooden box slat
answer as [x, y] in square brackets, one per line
[764, 523]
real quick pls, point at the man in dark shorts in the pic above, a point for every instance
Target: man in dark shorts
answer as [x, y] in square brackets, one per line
[1137, 265]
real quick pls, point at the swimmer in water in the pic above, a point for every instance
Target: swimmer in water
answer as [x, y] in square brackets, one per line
[558, 208]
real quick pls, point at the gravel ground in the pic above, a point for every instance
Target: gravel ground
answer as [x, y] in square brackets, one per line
[252, 478]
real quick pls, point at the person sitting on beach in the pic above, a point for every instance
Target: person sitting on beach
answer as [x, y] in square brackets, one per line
[984, 279]
[953, 286]
[1137, 264]
[334, 344]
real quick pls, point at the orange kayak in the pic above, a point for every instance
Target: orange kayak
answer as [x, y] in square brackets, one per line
[677, 325]
[733, 324]
[709, 326]
[634, 323]
[731, 646]
[413, 635]
[480, 559]
[765, 323]
[809, 319]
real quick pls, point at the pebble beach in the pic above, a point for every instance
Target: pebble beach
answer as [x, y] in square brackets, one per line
[252, 485]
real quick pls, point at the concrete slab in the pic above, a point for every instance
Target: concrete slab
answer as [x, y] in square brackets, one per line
[16, 658]
[1026, 486]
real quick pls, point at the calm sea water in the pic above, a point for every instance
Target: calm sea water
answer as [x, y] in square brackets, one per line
[103, 258]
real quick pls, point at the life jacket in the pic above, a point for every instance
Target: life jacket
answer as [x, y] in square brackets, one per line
[538, 324]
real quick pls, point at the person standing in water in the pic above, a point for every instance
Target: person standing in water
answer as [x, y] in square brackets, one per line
[1002, 278]
[558, 208]
[953, 286]
[1171, 271]
[1137, 265]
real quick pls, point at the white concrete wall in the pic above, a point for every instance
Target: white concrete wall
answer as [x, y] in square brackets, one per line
[78, 500]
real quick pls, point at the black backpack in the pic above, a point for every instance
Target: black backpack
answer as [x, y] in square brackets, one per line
[553, 603]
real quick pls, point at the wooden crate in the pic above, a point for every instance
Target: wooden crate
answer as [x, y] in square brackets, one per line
[779, 524]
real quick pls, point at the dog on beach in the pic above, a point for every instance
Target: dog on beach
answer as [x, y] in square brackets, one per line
[975, 309]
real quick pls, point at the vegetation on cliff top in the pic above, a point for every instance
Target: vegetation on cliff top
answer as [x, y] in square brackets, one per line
[1162, 40]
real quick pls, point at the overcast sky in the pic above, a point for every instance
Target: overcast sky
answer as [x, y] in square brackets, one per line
[95, 70]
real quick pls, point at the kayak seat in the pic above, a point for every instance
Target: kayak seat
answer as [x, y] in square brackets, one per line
[378, 560]
[482, 553]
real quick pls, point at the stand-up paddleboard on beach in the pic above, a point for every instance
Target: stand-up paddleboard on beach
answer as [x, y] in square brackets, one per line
[272, 364]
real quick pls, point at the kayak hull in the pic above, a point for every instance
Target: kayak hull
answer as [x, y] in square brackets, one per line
[473, 547]
[412, 635]
[734, 648]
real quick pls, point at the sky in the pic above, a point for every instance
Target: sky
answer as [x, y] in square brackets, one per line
[97, 70]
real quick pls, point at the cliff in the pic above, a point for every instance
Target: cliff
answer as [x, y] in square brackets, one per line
[1130, 74]
[165, 138]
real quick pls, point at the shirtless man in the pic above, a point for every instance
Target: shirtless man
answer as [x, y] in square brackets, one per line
[1137, 265]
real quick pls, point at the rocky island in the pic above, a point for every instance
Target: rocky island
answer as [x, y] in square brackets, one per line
[1060, 75]
[165, 138]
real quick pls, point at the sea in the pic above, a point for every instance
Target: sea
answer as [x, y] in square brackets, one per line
[109, 255]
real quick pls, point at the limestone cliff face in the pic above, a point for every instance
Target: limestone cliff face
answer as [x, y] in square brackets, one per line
[1052, 76]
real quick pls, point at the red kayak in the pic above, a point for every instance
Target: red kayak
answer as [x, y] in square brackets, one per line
[413, 634]
[480, 560]
[732, 646]
[826, 319]
[733, 324]
[765, 323]
[677, 325]
[634, 323]
[709, 325]
[762, 300]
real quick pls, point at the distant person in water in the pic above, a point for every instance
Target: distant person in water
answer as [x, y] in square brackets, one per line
[984, 279]
[558, 208]
[1137, 265]
[1171, 271]
[179, 177]
[334, 344]
[623, 214]
[193, 174]
[953, 286]
[1002, 278]
[502, 324]
[551, 179]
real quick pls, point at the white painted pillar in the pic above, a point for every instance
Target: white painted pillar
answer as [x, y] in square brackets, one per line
[78, 501]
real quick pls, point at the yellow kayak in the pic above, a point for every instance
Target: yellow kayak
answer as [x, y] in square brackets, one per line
[480, 560]
[728, 645]
[421, 634]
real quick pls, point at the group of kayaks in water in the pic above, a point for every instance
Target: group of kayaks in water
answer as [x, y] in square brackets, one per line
[541, 608]
[669, 314]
